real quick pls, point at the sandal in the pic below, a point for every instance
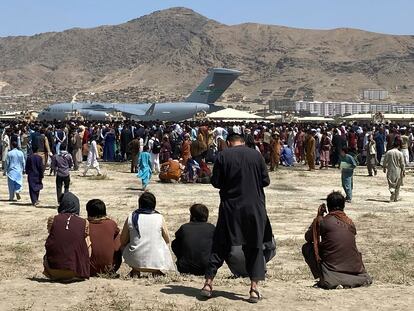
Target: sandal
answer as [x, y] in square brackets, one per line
[207, 293]
[254, 299]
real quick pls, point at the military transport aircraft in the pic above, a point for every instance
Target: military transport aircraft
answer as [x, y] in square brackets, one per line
[201, 100]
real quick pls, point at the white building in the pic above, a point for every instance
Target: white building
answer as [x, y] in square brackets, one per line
[331, 109]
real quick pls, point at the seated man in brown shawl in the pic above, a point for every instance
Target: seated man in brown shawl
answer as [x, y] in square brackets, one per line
[331, 250]
[106, 255]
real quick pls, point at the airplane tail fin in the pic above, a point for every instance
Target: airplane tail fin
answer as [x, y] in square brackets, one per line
[150, 110]
[215, 84]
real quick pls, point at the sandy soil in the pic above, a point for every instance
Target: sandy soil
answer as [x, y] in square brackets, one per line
[385, 238]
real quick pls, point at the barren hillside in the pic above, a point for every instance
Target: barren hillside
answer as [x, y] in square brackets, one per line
[170, 50]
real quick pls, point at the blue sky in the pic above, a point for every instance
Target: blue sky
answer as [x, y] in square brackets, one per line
[28, 17]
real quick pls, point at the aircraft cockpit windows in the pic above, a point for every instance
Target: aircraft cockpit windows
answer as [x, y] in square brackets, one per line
[47, 109]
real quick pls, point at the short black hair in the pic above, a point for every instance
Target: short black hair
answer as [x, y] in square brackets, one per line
[335, 201]
[14, 144]
[397, 143]
[96, 208]
[199, 213]
[146, 148]
[147, 201]
[235, 137]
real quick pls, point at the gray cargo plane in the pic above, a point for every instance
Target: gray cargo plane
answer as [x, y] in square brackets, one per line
[201, 100]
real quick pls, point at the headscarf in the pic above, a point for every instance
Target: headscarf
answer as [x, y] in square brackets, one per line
[69, 203]
[146, 205]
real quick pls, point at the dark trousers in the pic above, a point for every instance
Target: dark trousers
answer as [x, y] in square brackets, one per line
[309, 256]
[34, 195]
[60, 181]
[134, 163]
[255, 265]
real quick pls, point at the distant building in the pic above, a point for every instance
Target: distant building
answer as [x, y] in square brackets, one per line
[332, 109]
[374, 94]
[284, 104]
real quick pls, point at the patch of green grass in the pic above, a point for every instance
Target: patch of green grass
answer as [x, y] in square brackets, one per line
[391, 264]
[401, 254]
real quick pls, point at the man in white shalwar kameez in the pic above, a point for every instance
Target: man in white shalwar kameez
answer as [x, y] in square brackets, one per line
[92, 158]
[394, 167]
[5, 149]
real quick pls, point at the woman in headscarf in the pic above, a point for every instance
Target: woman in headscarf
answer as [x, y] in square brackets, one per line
[68, 246]
[165, 153]
[145, 167]
[109, 146]
[145, 238]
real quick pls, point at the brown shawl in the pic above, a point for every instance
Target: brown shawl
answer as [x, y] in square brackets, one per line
[340, 215]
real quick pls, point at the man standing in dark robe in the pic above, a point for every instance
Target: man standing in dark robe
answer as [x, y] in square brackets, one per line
[331, 252]
[34, 171]
[338, 142]
[380, 143]
[126, 137]
[241, 174]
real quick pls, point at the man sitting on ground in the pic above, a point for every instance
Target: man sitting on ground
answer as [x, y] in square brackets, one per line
[193, 241]
[331, 250]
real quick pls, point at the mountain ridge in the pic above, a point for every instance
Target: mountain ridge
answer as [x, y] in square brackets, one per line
[170, 50]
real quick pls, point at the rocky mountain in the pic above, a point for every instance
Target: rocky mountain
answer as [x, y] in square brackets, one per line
[171, 50]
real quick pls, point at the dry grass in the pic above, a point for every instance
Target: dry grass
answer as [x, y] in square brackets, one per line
[104, 299]
[384, 239]
[370, 215]
[21, 253]
[103, 176]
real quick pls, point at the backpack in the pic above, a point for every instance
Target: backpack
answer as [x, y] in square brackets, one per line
[156, 146]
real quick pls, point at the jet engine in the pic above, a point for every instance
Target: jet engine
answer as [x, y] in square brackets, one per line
[94, 115]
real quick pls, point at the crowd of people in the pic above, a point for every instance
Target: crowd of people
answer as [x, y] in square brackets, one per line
[181, 152]
[78, 248]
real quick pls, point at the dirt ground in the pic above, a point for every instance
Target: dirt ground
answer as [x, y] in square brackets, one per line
[385, 238]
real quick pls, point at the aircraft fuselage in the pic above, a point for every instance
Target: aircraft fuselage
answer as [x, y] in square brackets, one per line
[140, 112]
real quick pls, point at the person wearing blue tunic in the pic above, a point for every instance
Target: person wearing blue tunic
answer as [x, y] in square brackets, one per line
[287, 156]
[347, 165]
[14, 171]
[145, 167]
[109, 146]
[380, 139]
